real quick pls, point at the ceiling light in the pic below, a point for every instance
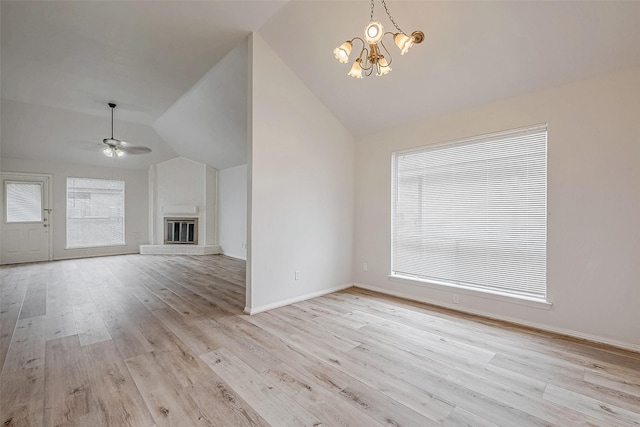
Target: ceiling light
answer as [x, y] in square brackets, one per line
[371, 57]
[356, 70]
[113, 150]
[342, 52]
[115, 147]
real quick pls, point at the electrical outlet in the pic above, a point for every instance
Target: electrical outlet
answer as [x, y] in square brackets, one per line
[365, 267]
[296, 275]
[456, 299]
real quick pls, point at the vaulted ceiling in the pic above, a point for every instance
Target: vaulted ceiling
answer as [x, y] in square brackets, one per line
[63, 61]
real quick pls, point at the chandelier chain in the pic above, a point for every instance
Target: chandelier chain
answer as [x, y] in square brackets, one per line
[386, 9]
[372, 6]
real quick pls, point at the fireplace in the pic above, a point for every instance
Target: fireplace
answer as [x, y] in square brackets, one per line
[180, 231]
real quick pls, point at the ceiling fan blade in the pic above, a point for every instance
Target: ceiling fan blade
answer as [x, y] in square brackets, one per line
[134, 149]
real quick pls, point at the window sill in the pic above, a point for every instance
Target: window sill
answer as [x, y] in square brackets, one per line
[71, 248]
[465, 290]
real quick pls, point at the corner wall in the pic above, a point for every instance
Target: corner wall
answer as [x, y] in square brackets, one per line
[593, 234]
[301, 185]
[232, 211]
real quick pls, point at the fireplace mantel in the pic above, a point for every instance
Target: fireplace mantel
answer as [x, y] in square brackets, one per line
[180, 210]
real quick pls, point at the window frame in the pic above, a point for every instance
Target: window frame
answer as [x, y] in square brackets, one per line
[124, 234]
[6, 201]
[453, 286]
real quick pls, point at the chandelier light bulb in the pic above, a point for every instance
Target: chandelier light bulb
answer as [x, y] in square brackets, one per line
[342, 52]
[356, 70]
[373, 32]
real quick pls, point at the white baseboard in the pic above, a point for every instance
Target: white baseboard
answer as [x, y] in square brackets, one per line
[243, 258]
[574, 334]
[266, 307]
[179, 249]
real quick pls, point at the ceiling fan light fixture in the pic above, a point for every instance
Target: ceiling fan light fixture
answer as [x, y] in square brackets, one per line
[117, 148]
[374, 55]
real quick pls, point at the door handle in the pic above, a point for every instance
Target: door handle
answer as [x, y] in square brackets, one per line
[45, 225]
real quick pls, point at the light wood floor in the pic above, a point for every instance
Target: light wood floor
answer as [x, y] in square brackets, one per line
[162, 340]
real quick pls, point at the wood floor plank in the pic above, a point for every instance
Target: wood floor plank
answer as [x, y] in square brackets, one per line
[517, 397]
[60, 324]
[461, 418]
[609, 414]
[8, 321]
[35, 300]
[426, 404]
[89, 323]
[162, 340]
[312, 395]
[113, 388]
[219, 403]
[27, 347]
[193, 335]
[68, 395]
[167, 406]
[269, 401]
[22, 397]
[12, 292]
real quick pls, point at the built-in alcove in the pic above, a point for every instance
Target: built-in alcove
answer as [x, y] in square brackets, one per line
[182, 196]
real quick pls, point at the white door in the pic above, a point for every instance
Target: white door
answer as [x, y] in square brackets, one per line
[26, 218]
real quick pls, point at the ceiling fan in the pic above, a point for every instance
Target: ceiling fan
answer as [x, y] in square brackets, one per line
[116, 148]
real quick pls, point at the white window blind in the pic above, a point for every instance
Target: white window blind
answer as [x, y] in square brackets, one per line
[23, 201]
[95, 212]
[473, 213]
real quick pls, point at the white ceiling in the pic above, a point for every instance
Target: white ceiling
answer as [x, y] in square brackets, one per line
[77, 56]
[475, 52]
[209, 123]
[37, 132]
[143, 55]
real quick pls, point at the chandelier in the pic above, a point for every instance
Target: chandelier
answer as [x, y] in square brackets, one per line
[372, 55]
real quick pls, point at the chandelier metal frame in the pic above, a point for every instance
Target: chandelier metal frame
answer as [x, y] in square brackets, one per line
[372, 55]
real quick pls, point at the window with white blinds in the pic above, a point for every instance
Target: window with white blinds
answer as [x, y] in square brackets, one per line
[23, 201]
[473, 213]
[95, 212]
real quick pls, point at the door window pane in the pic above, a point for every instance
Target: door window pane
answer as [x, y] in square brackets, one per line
[24, 201]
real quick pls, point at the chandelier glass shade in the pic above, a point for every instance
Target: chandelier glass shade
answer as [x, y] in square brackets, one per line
[374, 55]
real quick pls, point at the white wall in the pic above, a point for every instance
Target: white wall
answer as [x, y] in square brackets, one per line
[593, 249]
[301, 187]
[182, 182]
[136, 203]
[232, 211]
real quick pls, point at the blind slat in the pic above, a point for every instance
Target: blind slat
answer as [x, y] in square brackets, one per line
[95, 212]
[474, 212]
